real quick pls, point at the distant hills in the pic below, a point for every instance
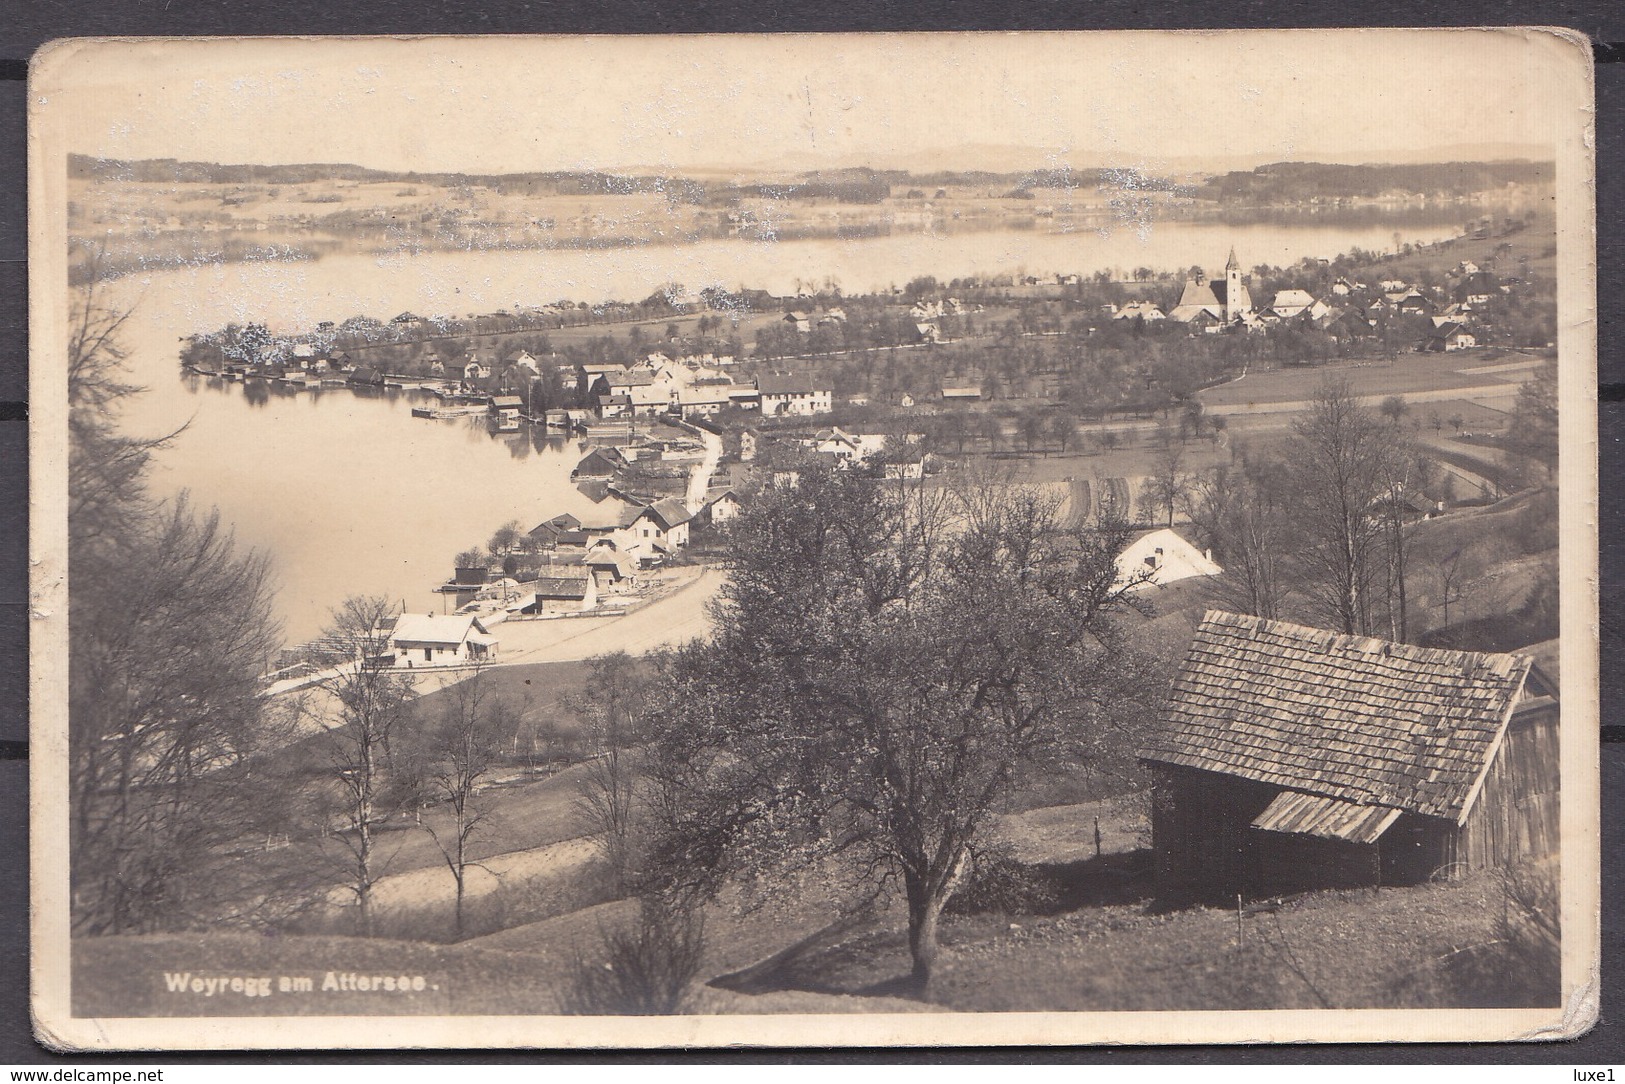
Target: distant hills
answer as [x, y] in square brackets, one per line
[1284, 182]
[1446, 171]
[172, 171]
[1017, 158]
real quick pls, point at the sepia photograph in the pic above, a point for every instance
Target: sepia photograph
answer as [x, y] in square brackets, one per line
[788, 540]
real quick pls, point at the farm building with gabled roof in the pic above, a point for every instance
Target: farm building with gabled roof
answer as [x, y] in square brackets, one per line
[563, 594]
[599, 463]
[1292, 758]
[1163, 556]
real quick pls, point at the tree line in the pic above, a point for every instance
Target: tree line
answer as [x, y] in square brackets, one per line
[1325, 525]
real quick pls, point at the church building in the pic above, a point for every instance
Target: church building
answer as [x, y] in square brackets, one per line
[1215, 304]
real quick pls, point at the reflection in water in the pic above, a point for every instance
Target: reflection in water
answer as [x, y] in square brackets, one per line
[256, 392]
[540, 440]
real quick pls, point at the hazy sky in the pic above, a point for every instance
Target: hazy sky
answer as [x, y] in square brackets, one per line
[505, 104]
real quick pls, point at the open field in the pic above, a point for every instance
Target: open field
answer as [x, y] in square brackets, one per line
[654, 329]
[528, 815]
[1465, 374]
[1121, 462]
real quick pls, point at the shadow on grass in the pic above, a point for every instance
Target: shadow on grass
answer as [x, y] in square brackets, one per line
[875, 962]
[1044, 889]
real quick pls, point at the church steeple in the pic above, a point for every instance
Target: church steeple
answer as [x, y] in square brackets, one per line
[1236, 302]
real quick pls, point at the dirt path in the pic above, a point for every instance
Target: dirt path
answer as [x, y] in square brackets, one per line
[672, 620]
[699, 482]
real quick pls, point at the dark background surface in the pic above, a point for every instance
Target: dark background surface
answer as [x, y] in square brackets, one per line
[25, 26]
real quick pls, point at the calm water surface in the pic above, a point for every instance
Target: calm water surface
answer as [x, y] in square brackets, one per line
[350, 494]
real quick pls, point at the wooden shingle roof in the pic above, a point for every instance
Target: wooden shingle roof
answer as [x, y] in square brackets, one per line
[1349, 717]
[556, 588]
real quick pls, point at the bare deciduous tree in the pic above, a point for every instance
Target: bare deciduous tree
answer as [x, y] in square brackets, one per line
[869, 697]
[1339, 459]
[364, 698]
[463, 749]
[171, 629]
[1241, 512]
[613, 707]
[1167, 486]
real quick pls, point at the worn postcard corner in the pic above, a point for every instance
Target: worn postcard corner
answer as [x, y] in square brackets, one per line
[863, 540]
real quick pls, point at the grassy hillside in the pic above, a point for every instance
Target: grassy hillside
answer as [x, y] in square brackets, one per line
[1423, 947]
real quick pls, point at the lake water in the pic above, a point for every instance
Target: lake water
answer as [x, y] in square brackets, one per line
[350, 494]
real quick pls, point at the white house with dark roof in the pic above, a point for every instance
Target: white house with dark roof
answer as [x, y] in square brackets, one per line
[853, 447]
[662, 525]
[792, 393]
[705, 400]
[1452, 337]
[647, 392]
[609, 567]
[587, 374]
[440, 640]
[725, 506]
[506, 408]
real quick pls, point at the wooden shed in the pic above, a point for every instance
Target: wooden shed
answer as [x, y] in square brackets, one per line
[1293, 758]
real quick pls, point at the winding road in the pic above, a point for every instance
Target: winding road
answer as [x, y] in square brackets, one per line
[699, 482]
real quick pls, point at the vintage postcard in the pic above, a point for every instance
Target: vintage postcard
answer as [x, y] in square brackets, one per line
[852, 539]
